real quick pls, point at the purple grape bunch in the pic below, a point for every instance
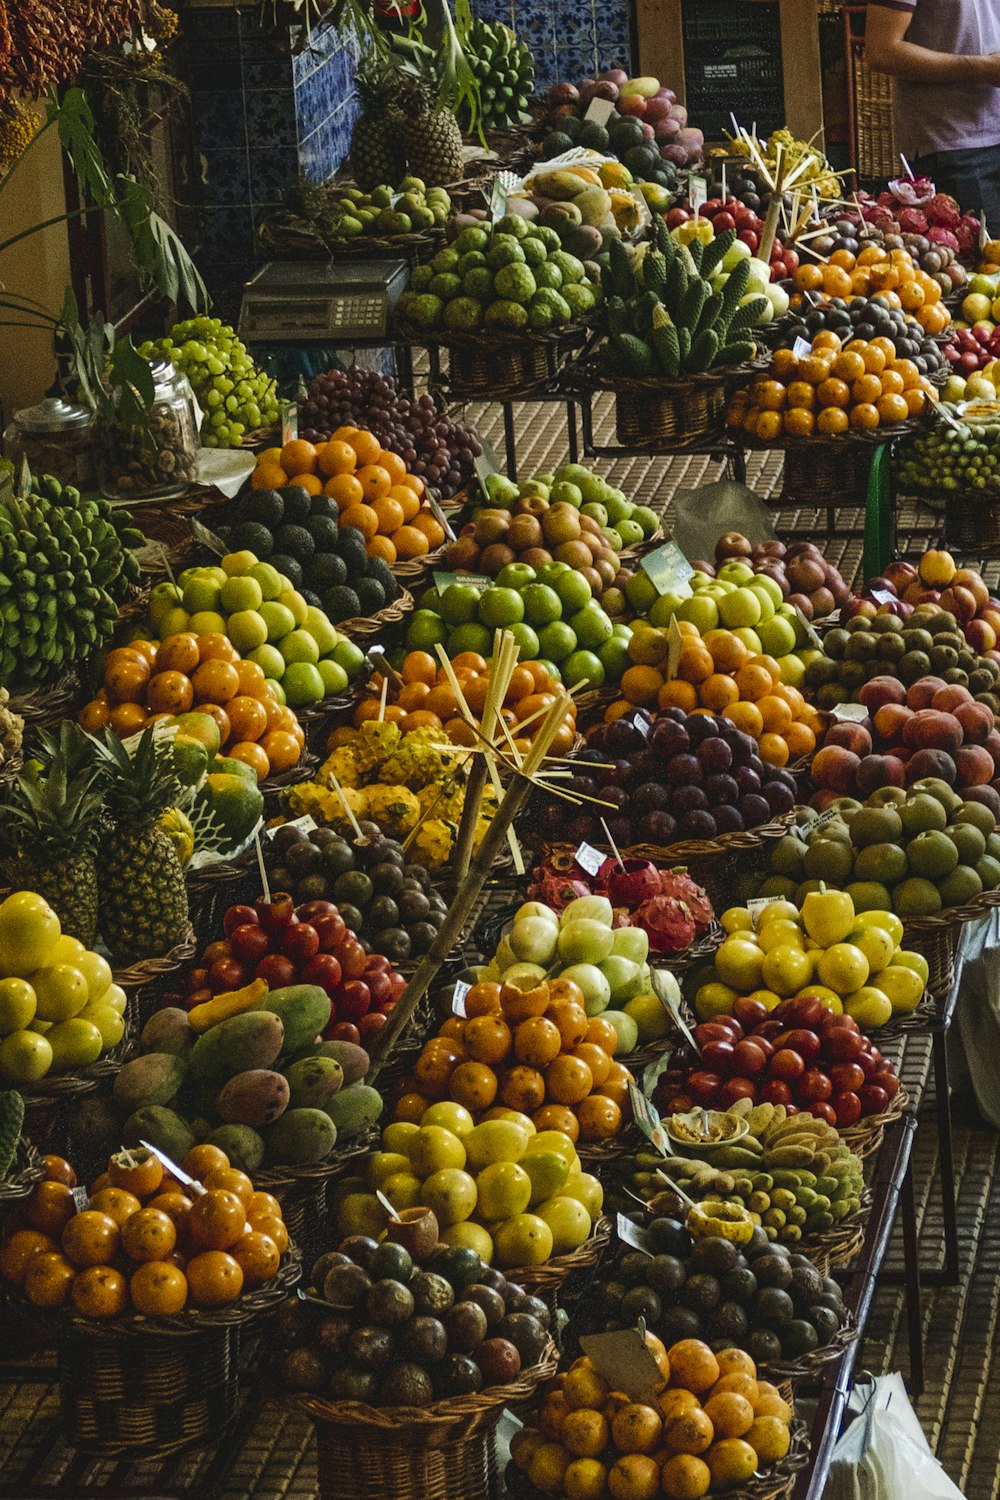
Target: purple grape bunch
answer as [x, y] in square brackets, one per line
[440, 451]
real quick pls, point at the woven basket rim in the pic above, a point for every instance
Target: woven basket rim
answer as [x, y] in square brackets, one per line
[859, 1135]
[556, 1270]
[390, 614]
[358, 1414]
[952, 916]
[20, 1185]
[832, 442]
[747, 838]
[148, 969]
[268, 1178]
[485, 339]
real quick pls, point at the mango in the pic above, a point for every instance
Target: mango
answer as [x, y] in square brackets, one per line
[560, 186]
[252, 1040]
[256, 1097]
[353, 1059]
[242, 1144]
[594, 204]
[560, 216]
[299, 1138]
[160, 1127]
[152, 1079]
[354, 1109]
[313, 1081]
[304, 1009]
[584, 241]
[167, 1030]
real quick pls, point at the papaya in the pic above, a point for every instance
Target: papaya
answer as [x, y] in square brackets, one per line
[256, 1097]
[354, 1109]
[299, 1138]
[594, 204]
[252, 1040]
[353, 1059]
[303, 1009]
[558, 185]
[152, 1079]
[313, 1081]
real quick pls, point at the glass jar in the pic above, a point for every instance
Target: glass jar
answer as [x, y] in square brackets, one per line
[157, 458]
[55, 437]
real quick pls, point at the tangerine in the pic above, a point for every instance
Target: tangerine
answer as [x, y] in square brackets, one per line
[117, 1203]
[685, 1477]
[487, 1038]
[599, 1117]
[537, 1042]
[178, 653]
[149, 1235]
[523, 1089]
[474, 1085]
[90, 1238]
[297, 457]
[48, 1278]
[215, 681]
[216, 1220]
[334, 458]
[50, 1208]
[247, 716]
[18, 1250]
[213, 1277]
[769, 1438]
[583, 1386]
[693, 1365]
[203, 1159]
[731, 1462]
[637, 1428]
[635, 1476]
[568, 1080]
[99, 1292]
[345, 489]
[254, 756]
[58, 1169]
[689, 1431]
[557, 1117]
[257, 1256]
[158, 1288]
[732, 1414]
[585, 1432]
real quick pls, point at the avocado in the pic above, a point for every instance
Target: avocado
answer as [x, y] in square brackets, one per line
[371, 596]
[265, 506]
[324, 505]
[325, 570]
[296, 541]
[341, 603]
[298, 503]
[380, 570]
[457, 1375]
[431, 1293]
[352, 549]
[252, 536]
[290, 566]
[324, 531]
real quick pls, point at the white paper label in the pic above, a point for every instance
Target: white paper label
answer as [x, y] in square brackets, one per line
[881, 596]
[698, 192]
[668, 569]
[756, 905]
[174, 1169]
[801, 348]
[647, 1119]
[458, 997]
[666, 999]
[600, 111]
[631, 1234]
[289, 422]
[642, 725]
[80, 1198]
[439, 516]
[849, 713]
[589, 858]
[306, 824]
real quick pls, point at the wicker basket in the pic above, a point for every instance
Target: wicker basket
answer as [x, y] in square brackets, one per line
[149, 969]
[937, 937]
[873, 149]
[714, 863]
[29, 1170]
[289, 236]
[496, 365]
[44, 705]
[972, 525]
[299, 1188]
[838, 1246]
[375, 624]
[658, 414]
[865, 1137]
[545, 1281]
[818, 473]
[446, 1451]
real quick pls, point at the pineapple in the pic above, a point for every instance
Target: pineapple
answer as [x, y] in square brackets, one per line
[433, 138]
[55, 833]
[377, 154]
[143, 899]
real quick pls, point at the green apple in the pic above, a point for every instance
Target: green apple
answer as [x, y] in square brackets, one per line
[299, 646]
[583, 666]
[534, 939]
[320, 629]
[614, 657]
[640, 591]
[500, 607]
[574, 591]
[556, 641]
[626, 1029]
[333, 675]
[585, 941]
[791, 667]
[239, 594]
[267, 578]
[425, 630]
[349, 656]
[542, 605]
[588, 908]
[749, 637]
[624, 977]
[471, 637]
[173, 622]
[514, 575]
[740, 608]
[631, 942]
[163, 598]
[567, 492]
[303, 684]
[201, 594]
[293, 601]
[550, 571]
[596, 512]
[591, 626]
[701, 611]
[596, 989]
[629, 530]
[734, 570]
[269, 659]
[459, 604]
[235, 564]
[247, 629]
[278, 618]
[777, 636]
[527, 641]
[649, 1016]
[207, 622]
[764, 600]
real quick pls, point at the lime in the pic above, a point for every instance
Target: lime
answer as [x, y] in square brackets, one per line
[25, 1056]
[303, 684]
[17, 1005]
[425, 630]
[333, 675]
[60, 991]
[278, 618]
[247, 629]
[299, 646]
[238, 594]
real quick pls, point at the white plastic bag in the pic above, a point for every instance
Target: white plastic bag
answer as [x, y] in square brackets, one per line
[884, 1454]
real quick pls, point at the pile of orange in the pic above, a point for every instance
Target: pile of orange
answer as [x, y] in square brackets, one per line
[144, 1242]
[719, 674]
[373, 490]
[149, 680]
[710, 1426]
[535, 1051]
[426, 699]
[892, 274]
[862, 385]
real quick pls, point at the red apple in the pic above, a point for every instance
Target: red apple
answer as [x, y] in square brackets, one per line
[737, 1088]
[352, 958]
[787, 1065]
[214, 951]
[249, 942]
[276, 970]
[847, 1108]
[370, 1025]
[718, 1056]
[323, 970]
[238, 916]
[227, 974]
[299, 941]
[351, 1000]
[330, 929]
[824, 1111]
[380, 987]
[343, 1031]
[748, 1059]
[774, 1091]
[313, 909]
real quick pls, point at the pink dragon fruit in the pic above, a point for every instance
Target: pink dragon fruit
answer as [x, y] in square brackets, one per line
[678, 883]
[938, 235]
[629, 883]
[557, 891]
[667, 922]
[912, 221]
[967, 235]
[910, 190]
[944, 210]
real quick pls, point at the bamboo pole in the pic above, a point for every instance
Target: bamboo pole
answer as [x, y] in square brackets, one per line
[479, 868]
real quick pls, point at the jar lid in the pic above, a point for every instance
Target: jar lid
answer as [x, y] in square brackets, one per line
[167, 378]
[53, 415]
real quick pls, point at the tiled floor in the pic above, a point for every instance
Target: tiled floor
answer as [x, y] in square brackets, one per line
[960, 1409]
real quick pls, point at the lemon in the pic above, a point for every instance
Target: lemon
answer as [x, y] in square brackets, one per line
[553, 1140]
[382, 1164]
[29, 930]
[68, 950]
[74, 1043]
[843, 967]
[403, 1190]
[504, 1190]
[547, 1172]
[736, 919]
[17, 1005]
[107, 1020]
[433, 1149]
[361, 1213]
[450, 1194]
[61, 992]
[95, 970]
[468, 1236]
[451, 1116]
[886, 919]
[868, 1006]
[25, 1057]
[397, 1136]
[876, 944]
[569, 1222]
[525, 1240]
[116, 997]
[493, 1141]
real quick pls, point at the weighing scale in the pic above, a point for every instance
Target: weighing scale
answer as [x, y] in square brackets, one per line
[312, 302]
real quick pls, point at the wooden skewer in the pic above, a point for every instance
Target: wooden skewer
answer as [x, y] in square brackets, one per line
[349, 811]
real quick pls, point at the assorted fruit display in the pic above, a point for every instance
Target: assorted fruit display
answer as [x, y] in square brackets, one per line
[913, 206]
[662, 123]
[795, 569]
[434, 446]
[879, 283]
[587, 205]
[509, 276]
[410, 1322]
[868, 318]
[671, 908]
[345, 213]
[143, 1244]
[958, 455]
[515, 1195]
[694, 1433]
[921, 650]
[236, 396]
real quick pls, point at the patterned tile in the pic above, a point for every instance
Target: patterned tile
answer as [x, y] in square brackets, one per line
[218, 118]
[272, 74]
[207, 76]
[227, 232]
[225, 176]
[271, 118]
[210, 21]
[272, 172]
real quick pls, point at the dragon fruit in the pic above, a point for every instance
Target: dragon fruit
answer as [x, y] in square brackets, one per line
[554, 881]
[910, 191]
[938, 235]
[912, 221]
[678, 883]
[630, 883]
[944, 211]
[667, 922]
[967, 235]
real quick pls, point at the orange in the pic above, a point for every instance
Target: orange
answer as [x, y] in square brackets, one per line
[345, 489]
[257, 1256]
[393, 465]
[282, 750]
[917, 402]
[571, 1020]
[346, 434]
[117, 1203]
[217, 647]
[214, 1278]
[375, 481]
[410, 542]
[601, 1033]
[174, 1203]
[808, 277]
[90, 1238]
[695, 662]
[311, 483]
[718, 691]
[615, 1086]
[335, 458]
[407, 498]
[845, 259]
[799, 423]
[148, 1235]
[641, 685]
[775, 712]
[584, 1432]
[96, 715]
[99, 1292]
[770, 1402]
[799, 739]
[636, 1428]
[891, 382]
[832, 421]
[264, 1203]
[887, 347]
[128, 718]
[582, 1386]
[585, 1479]
[557, 1117]
[298, 457]
[414, 482]
[217, 1219]
[693, 1365]
[537, 1042]
[178, 653]
[599, 1117]
[802, 394]
[252, 755]
[836, 281]
[636, 1476]
[247, 717]
[816, 367]
[48, 1278]
[770, 395]
[874, 357]
[419, 666]
[58, 1169]
[893, 408]
[833, 392]
[125, 678]
[739, 1381]
[754, 682]
[688, 1431]
[273, 1227]
[731, 1414]
[204, 1159]
[783, 363]
[232, 1180]
[568, 1080]
[215, 682]
[727, 650]
[158, 1288]
[50, 1208]
[381, 546]
[673, 1401]
[18, 1250]
[769, 1438]
[865, 416]
[523, 1089]
[367, 446]
[474, 1085]
[547, 1467]
[430, 526]
[826, 339]
[487, 1038]
[768, 426]
[731, 1462]
[598, 1060]
[685, 1477]
[362, 518]
[868, 389]
[268, 477]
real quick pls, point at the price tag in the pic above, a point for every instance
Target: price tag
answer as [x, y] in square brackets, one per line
[631, 1234]
[669, 1002]
[458, 997]
[443, 581]
[756, 905]
[647, 1119]
[600, 111]
[80, 1198]
[805, 829]
[434, 506]
[881, 596]
[668, 569]
[498, 198]
[289, 421]
[801, 348]
[589, 858]
[624, 1360]
[306, 823]
[642, 725]
[849, 713]
[807, 626]
[698, 193]
[209, 538]
[675, 642]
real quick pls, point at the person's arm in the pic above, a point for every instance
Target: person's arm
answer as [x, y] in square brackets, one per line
[888, 51]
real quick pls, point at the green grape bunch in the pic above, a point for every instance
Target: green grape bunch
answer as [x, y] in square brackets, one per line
[235, 396]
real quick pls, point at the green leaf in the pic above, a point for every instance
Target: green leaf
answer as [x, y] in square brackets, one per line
[158, 251]
[132, 381]
[75, 124]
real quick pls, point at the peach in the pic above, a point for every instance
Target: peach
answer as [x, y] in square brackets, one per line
[974, 765]
[890, 721]
[918, 593]
[850, 737]
[959, 602]
[823, 799]
[968, 578]
[835, 769]
[947, 699]
[937, 568]
[823, 602]
[900, 574]
[877, 771]
[931, 730]
[991, 616]
[987, 795]
[980, 635]
[879, 690]
[930, 763]
[977, 722]
[992, 743]
[920, 694]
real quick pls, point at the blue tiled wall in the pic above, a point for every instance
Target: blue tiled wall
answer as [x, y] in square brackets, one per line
[570, 39]
[260, 117]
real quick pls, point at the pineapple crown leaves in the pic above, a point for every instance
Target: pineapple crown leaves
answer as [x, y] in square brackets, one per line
[69, 742]
[448, 70]
[140, 779]
[61, 811]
